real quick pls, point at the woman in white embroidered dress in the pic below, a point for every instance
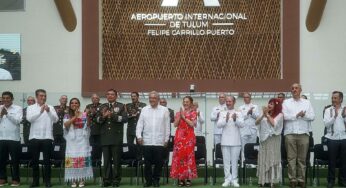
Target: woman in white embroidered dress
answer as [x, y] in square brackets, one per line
[78, 166]
[270, 125]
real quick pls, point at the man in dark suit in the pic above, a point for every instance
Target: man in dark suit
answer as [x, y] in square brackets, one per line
[111, 117]
[26, 124]
[91, 110]
[61, 110]
[133, 111]
[163, 102]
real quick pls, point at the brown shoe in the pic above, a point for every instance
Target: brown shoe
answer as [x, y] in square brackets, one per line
[292, 184]
[302, 184]
[2, 182]
[15, 184]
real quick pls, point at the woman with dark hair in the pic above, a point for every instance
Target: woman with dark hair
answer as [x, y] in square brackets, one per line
[270, 125]
[183, 163]
[78, 151]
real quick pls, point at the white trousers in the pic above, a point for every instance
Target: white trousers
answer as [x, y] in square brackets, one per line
[217, 138]
[230, 156]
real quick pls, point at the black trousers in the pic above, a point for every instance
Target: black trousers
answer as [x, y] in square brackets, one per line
[112, 153]
[45, 146]
[12, 148]
[153, 156]
[337, 150]
[94, 140]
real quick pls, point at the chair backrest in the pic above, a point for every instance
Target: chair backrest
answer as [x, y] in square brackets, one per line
[321, 152]
[129, 152]
[200, 140]
[311, 143]
[200, 151]
[25, 154]
[58, 152]
[251, 151]
[218, 152]
[165, 155]
[283, 152]
[171, 143]
[96, 152]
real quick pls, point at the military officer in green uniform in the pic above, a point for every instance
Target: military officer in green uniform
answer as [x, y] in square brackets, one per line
[133, 112]
[111, 117]
[163, 102]
[91, 110]
[61, 110]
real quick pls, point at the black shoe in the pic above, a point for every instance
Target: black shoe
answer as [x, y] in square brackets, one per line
[116, 184]
[302, 184]
[106, 184]
[330, 185]
[156, 184]
[292, 184]
[34, 185]
[147, 184]
[48, 184]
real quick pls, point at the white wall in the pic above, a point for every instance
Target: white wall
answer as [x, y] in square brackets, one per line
[51, 56]
[322, 53]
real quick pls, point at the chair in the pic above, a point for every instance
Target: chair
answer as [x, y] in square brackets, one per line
[129, 158]
[284, 161]
[308, 162]
[217, 159]
[96, 159]
[24, 159]
[201, 155]
[320, 158]
[58, 157]
[251, 156]
[168, 150]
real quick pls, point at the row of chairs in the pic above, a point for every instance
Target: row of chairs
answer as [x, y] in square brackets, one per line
[320, 152]
[129, 158]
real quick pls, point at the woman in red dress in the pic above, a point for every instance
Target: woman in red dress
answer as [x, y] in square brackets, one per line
[183, 163]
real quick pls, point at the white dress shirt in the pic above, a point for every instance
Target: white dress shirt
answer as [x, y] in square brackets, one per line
[338, 124]
[230, 129]
[266, 130]
[199, 125]
[41, 123]
[249, 119]
[153, 125]
[294, 125]
[10, 123]
[214, 118]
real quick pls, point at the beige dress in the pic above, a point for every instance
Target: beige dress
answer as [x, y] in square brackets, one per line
[269, 155]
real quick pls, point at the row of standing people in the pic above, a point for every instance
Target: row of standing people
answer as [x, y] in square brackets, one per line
[298, 116]
[152, 131]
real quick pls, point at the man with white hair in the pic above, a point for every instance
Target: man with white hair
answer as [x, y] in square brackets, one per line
[214, 117]
[153, 133]
[250, 113]
[298, 113]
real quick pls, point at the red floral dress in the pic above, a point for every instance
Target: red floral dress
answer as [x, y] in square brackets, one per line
[183, 163]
